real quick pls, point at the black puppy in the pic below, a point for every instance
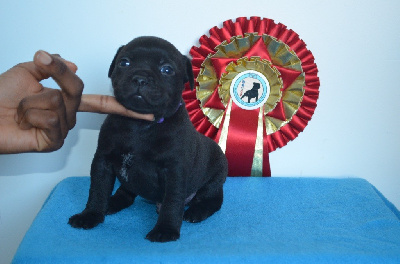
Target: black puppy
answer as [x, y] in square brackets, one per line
[166, 161]
[252, 93]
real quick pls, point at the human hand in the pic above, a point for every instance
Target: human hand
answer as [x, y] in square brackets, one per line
[35, 118]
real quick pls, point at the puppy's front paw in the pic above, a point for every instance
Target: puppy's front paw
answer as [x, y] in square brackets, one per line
[162, 234]
[86, 220]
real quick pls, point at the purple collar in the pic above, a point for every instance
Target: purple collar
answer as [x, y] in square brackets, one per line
[162, 118]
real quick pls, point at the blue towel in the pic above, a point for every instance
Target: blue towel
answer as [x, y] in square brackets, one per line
[262, 220]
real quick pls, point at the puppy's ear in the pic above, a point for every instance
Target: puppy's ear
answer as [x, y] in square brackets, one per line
[112, 66]
[189, 72]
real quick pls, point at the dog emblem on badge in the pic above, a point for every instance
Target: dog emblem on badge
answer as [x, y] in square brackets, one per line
[250, 90]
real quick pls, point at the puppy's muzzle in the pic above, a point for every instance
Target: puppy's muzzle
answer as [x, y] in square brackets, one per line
[144, 87]
[140, 81]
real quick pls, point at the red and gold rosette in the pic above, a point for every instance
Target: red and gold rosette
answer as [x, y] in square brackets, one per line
[263, 50]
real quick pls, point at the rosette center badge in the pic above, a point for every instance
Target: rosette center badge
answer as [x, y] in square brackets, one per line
[250, 90]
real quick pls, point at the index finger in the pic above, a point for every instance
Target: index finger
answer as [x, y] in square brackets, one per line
[71, 85]
[105, 104]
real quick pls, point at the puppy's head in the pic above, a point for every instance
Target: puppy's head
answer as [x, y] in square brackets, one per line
[256, 86]
[148, 76]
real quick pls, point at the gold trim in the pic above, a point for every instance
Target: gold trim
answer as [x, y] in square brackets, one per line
[280, 54]
[224, 132]
[256, 168]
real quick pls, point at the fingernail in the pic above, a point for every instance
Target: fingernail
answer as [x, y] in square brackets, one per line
[43, 57]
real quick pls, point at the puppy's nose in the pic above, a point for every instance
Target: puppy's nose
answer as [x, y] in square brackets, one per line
[139, 80]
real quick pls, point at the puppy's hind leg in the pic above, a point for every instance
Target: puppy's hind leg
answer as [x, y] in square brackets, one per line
[120, 200]
[203, 205]
[207, 200]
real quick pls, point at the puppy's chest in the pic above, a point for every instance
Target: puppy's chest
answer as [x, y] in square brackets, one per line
[139, 155]
[132, 163]
[141, 164]
[125, 164]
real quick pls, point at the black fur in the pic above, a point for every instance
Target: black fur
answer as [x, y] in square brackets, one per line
[164, 161]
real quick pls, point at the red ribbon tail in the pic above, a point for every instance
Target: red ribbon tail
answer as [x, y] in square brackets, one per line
[241, 140]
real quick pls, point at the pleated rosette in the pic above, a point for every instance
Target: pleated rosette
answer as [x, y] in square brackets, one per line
[256, 89]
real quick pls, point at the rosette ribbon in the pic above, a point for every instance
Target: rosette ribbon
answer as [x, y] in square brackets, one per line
[261, 50]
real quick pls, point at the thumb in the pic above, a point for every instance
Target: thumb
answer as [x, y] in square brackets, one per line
[41, 60]
[46, 59]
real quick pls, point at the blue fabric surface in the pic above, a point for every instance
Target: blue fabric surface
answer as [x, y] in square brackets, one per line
[262, 220]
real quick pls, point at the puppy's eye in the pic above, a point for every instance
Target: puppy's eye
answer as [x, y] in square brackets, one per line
[167, 70]
[124, 62]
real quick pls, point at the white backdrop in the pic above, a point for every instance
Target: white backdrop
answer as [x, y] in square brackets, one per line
[354, 131]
